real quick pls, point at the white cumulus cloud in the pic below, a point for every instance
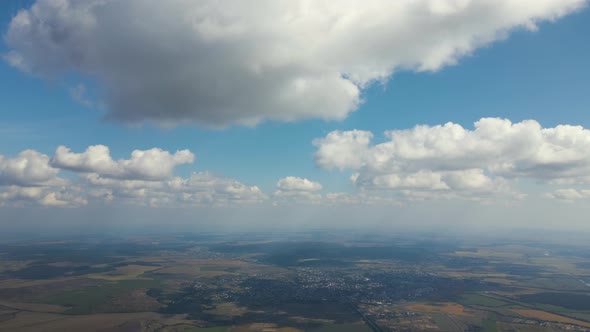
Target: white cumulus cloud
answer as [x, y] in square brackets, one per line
[292, 183]
[198, 189]
[152, 164]
[297, 190]
[64, 196]
[569, 194]
[147, 178]
[449, 158]
[240, 62]
[29, 168]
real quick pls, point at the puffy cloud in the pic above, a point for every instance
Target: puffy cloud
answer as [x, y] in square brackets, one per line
[198, 189]
[29, 168]
[569, 194]
[153, 164]
[292, 183]
[303, 191]
[205, 187]
[44, 196]
[299, 190]
[342, 149]
[146, 178]
[225, 62]
[62, 198]
[29, 179]
[450, 158]
[360, 198]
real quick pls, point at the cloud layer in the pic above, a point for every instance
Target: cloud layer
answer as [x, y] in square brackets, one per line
[234, 62]
[29, 168]
[197, 189]
[147, 178]
[153, 164]
[449, 159]
[569, 194]
[426, 162]
[299, 190]
[292, 183]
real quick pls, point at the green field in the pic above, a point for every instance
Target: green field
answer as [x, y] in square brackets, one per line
[360, 327]
[86, 300]
[202, 329]
[489, 324]
[481, 300]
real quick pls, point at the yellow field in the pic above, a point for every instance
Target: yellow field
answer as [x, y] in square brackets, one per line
[63, 264]
[460, 274]
[515, 292]
[124, 272]
[490, 254]
[17, 283]
[49, 308]
[13, 265]
[500, 281]
[559, 263]
[48, 322]
[202, 267]
[28, 321]
[303, 260]
[547, 316]
[191, 270]
[210, 262]
[228, 309]
[447, 308]
[263, 327]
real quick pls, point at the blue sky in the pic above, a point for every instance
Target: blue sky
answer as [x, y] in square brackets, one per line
[539, 74]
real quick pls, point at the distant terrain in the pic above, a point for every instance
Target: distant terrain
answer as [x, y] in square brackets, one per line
[293, 282]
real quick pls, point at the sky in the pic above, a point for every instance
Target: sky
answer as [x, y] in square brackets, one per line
[294, 114]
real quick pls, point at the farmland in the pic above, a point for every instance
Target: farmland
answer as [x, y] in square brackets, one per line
[242, 283]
